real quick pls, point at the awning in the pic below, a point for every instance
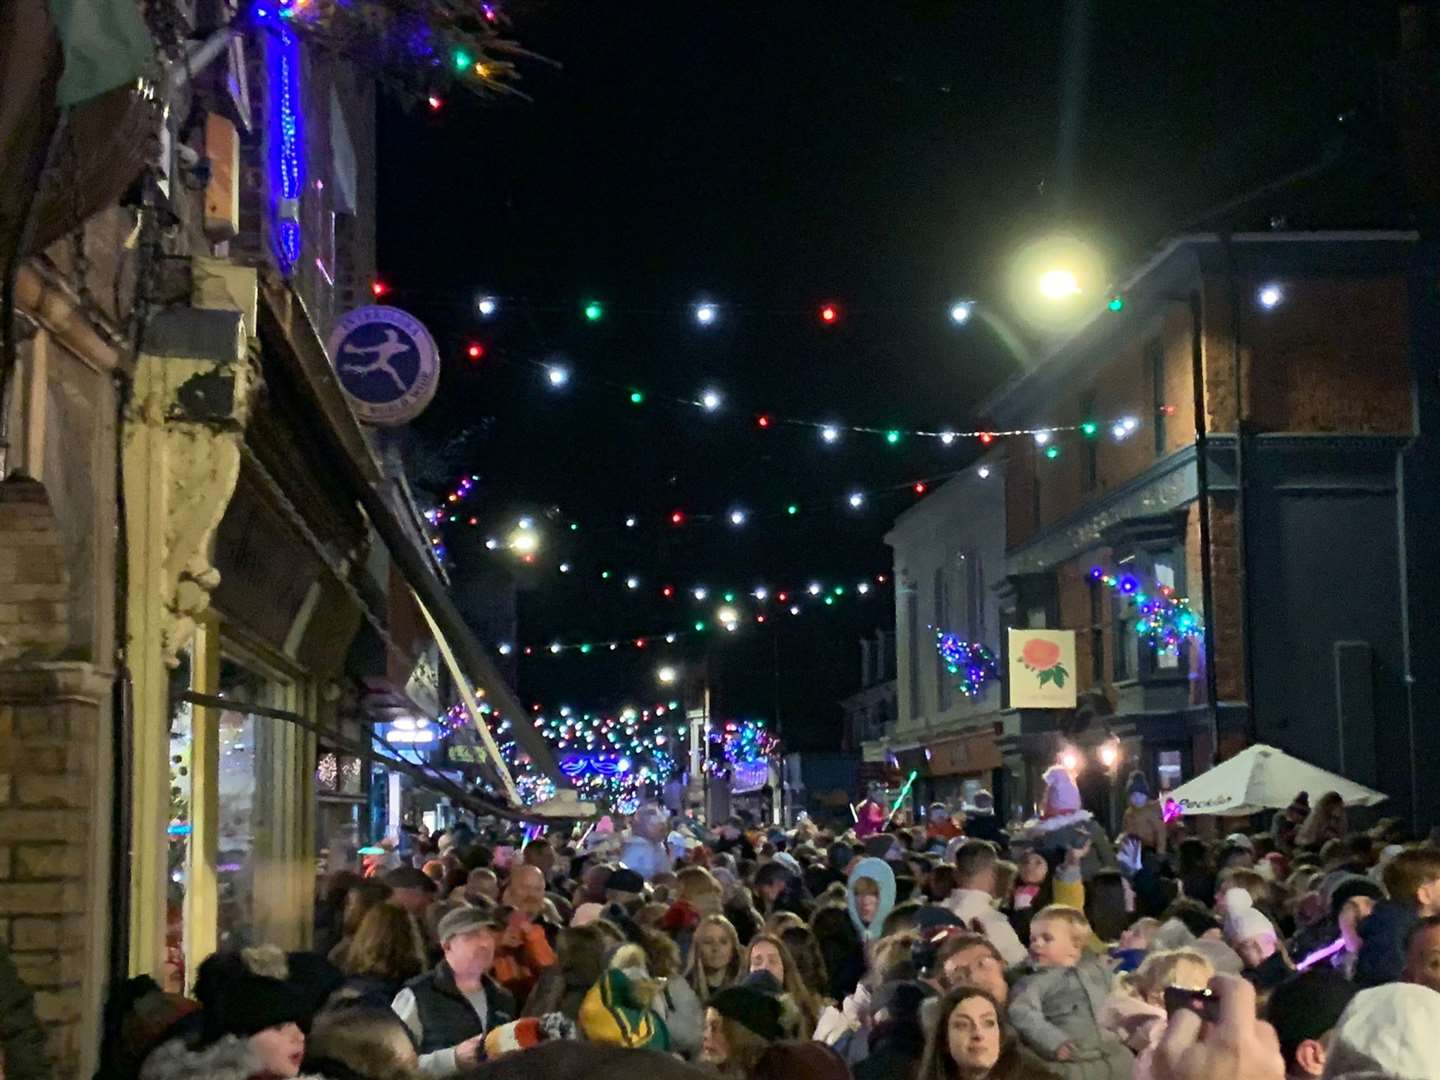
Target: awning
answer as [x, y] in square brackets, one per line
[286, 325]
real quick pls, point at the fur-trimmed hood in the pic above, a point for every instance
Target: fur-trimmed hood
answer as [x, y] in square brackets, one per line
[1038, 827]
[228, 1058]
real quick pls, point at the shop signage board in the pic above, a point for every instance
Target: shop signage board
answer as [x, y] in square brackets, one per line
[386, 362]
[1042, 669]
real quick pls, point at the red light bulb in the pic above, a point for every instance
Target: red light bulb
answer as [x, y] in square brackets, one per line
[378, 288]
[763, 420]
[434, 103]
[677, 518]
[829, 313]
[919, 487]
[668, 591]
[782, 597]
[475, 350]
[639, 642]
[986, 438]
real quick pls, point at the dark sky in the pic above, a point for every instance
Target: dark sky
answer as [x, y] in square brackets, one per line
[890, 157]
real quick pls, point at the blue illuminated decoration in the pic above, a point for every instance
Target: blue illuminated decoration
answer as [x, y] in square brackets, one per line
[287, 131]
[577, 765]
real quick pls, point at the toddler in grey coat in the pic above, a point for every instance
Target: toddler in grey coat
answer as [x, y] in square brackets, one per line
[1056, 1006]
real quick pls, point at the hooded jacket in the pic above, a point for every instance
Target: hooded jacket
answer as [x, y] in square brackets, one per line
[228, 1058]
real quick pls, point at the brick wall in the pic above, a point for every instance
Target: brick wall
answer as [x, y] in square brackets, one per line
[50, 735]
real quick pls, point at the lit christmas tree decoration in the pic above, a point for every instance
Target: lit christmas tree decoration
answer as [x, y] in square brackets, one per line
[972, 662]
[594, 310]
[710, 400]
[637, 397]
[857, 500]
[475, 350]
[946, 438]
[487, 306]
[1042, 438]
[830, 434]
[557, 375]
[705, 313]
[631, 522]
[829, 314]
[700, 592]
[677, 518]
[738, 517]
[892, 437]
[760, 592]
[378, 288]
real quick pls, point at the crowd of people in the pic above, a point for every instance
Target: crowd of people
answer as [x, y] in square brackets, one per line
[949, 949]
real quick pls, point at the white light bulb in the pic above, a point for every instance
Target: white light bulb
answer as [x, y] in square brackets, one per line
[632, 583]
[669, 639]
[710, 399]
[492, 543]
[760, 592]
[705, 314]
[830, 434]
[1058, 284]
[863, 588]
[488, 305]
[630, 522]
[1041, 438]
[555, 646]
[737, 517]
[1270, 295]
[505, 649]
[814, 588]
[557, 375]
[700, 592]
[564, 567]
[525, 523]
[983, 472]
[794, 610]
[960, 313]
[946, 438]
[857, 500]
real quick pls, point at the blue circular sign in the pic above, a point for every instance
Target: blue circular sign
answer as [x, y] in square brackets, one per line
[386, 362]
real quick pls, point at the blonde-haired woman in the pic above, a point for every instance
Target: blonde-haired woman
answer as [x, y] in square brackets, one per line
[715, 957]
[1326, 821]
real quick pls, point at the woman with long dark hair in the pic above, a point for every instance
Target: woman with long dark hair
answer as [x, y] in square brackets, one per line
[970, 1041]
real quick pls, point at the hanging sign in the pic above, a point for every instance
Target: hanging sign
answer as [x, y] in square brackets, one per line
[1042, 669]
[386, 362]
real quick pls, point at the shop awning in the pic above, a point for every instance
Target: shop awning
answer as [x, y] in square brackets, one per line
[285, 324]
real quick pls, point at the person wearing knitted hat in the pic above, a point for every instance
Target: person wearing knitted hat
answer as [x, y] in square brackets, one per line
[251, 1028]
[1251, 934]
[1143, 817]
[741, 1023]
[1387, 1033]
[1064, 824]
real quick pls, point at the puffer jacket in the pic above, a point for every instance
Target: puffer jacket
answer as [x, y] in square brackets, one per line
[228, 1058]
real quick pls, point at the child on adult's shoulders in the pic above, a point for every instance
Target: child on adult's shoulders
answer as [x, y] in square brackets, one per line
[1057, 1002]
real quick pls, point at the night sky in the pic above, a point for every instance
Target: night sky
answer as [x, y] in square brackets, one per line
[772, 157]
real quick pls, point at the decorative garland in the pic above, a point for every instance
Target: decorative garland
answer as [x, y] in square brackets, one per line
[970, 660]
[1166, 621]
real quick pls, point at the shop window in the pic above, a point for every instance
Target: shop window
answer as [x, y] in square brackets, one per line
[340, 787]
[259, 804]
[179, 829]
[1126, 641]
[1166, 661]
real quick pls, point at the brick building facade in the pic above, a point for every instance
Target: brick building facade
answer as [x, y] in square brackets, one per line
[1275, 514]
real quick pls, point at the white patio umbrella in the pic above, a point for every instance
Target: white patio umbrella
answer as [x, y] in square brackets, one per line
[1264, 778]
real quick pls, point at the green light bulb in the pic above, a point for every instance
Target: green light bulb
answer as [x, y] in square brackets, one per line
[585, 649]
[792, 509]
[574, 526]
[637, 397]
[604, 575]
[729, 598]
[1117, 303]
[594, 311]
[839, 590]
[892, 437]
[1089, 428]
[830, 600]
[699, 625]
[1052, 452]
[462, 60]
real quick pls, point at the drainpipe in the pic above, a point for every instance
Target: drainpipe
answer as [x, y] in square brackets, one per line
[1232, 285]
[1202, 484]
